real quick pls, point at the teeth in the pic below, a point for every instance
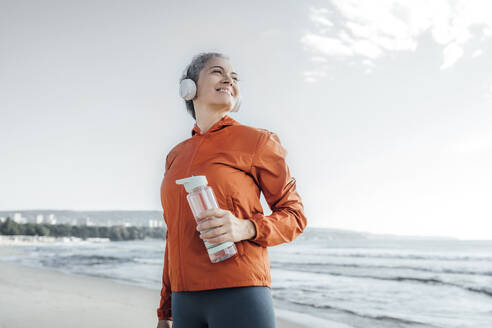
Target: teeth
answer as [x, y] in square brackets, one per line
[225, 91]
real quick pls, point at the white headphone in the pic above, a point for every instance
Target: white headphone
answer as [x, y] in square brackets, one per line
[187, 91]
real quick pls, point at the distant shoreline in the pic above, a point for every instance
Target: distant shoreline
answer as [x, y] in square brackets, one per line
[155, 218]
[13, 240]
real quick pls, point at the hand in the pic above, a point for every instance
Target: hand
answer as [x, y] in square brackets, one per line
[165, 324]
[226, 227]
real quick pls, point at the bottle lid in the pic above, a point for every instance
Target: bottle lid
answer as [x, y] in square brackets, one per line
[193, 182]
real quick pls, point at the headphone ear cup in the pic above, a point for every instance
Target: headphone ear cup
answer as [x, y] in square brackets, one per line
[236, 105]
[187, 89]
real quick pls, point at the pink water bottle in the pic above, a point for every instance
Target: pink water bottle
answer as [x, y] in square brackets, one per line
[200, 198]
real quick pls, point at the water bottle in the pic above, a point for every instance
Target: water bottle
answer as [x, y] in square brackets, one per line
[200, 198]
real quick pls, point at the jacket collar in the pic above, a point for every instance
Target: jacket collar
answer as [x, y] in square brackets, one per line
[226, 120]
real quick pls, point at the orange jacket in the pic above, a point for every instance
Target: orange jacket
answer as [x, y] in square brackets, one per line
[239, 162]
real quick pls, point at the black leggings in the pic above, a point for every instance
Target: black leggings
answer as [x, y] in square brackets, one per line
[237, 307]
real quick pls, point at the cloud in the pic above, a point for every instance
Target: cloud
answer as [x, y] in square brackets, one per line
[367, 48]
[452, 53]
[360, 29]
[314, 75]
[318, 16]
[487, 32]
[477, 53]
[319, 59]
[326, 45]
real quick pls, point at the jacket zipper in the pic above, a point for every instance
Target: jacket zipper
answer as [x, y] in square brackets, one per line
[180, 208]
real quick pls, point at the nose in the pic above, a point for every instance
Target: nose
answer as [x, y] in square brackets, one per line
[227, 79]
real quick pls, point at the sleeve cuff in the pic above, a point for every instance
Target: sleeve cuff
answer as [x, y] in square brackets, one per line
[256, 219]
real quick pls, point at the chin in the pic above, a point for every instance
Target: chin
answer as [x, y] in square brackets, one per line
[224, 105]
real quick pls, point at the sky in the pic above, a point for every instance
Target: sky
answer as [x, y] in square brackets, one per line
[384, 107]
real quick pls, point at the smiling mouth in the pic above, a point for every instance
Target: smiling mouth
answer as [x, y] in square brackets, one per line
[226, 91]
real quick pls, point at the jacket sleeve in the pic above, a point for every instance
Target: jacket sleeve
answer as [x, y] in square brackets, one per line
[164, 310]
[271, 173]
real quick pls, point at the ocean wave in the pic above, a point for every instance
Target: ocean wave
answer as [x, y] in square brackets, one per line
[83, 260]
[429, 257]
[388, 319]
[481, 290]
[282, 265]
[149, 260]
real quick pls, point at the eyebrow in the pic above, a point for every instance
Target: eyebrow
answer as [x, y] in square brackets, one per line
[222, 69]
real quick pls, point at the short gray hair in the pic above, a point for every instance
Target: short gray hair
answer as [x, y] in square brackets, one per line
[193, 70]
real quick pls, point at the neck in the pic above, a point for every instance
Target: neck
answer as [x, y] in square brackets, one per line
[206, 117]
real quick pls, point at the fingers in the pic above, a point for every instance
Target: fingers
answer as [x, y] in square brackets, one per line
[212, 235]
[219, 224]
[212, 221]
[217, 212]
[209, 223]
[216, 237]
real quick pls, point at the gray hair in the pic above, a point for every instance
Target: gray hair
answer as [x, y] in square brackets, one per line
[193, 70]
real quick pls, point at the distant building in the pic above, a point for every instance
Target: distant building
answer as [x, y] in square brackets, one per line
[19, 219]
[51, 219]
[154, 223]
[2, 219]
[39, 219]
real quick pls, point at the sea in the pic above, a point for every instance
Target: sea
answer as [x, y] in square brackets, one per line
[318, 280]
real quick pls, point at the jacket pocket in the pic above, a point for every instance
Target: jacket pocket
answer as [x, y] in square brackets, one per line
[231, 207]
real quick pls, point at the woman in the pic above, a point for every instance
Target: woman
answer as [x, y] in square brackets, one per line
[239, 162]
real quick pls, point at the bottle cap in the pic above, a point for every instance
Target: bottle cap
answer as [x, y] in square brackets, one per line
[193, 182]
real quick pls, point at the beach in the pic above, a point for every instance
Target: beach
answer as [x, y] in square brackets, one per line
[47, 298]
[316, 282]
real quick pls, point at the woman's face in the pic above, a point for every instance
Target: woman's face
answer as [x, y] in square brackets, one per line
[217, 84]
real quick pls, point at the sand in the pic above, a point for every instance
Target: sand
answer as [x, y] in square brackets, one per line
[47, 298]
